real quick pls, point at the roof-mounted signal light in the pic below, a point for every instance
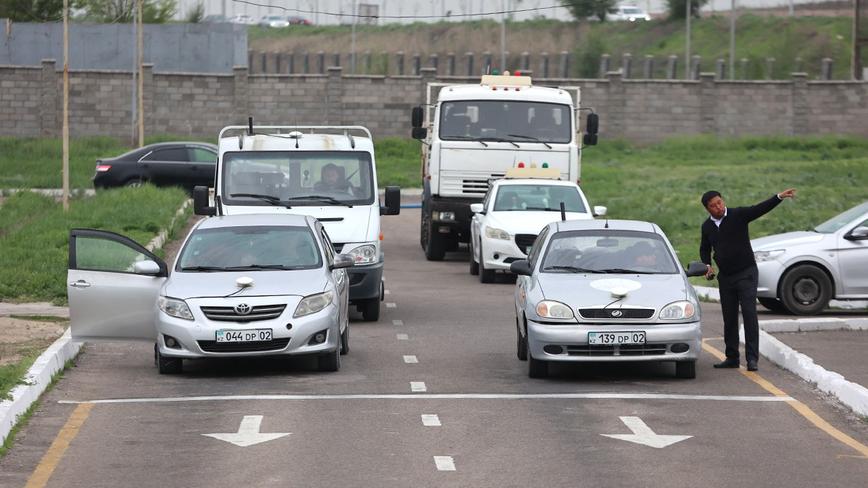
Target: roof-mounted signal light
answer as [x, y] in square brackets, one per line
[545, 165]
[521, 164]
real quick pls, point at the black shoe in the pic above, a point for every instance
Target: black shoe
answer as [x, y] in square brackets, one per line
[751, 366]
[727, 363]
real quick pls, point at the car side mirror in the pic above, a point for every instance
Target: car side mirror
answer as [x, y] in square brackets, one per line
[417, 116]
[342, 261]
[520, 267]
[857, 234]
[200, 202]
[600, 210]
[592, 126]
[477, 208]
[589, 140]
[419, 133]
[696, 268]
[392, 197]
[147, 267]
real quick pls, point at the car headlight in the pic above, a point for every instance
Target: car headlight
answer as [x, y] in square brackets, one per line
[761, 256]
[678, 311]
[550, 309]
[494, 233]
[313, 304]
[364, 254]
[175, 308]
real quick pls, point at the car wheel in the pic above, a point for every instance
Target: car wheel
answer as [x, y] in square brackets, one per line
[371, 309]
[536, 368]
[134, 182]
[329, 362]
[168, 365]
[685, 369]
[485, 275]
[520, 343]
[474, 266]
[433, 246]
[345, 340]
[772, 304]
[806, 290]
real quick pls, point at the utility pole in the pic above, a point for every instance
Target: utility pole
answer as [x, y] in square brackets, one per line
[732, 41]
[141, 50]
[503, 37]
[687, 47]
[858, 40]
[65, 129]
[353, 48]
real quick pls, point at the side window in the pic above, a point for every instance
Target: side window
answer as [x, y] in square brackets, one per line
[537, 246]
[98, 254]
[328, 247]
[170, 154]
[200, 155]
[487, 199]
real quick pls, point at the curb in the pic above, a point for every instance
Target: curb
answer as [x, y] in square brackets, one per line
[38, 378]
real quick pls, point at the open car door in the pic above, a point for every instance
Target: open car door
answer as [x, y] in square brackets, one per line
[112, 285]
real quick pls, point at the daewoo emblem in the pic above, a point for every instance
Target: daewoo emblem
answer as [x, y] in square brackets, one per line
[617, 313]
[242, 309]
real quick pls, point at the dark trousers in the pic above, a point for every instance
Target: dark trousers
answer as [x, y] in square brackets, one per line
[740, 289]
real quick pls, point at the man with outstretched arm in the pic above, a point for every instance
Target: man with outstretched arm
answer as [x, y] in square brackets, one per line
[725, 232]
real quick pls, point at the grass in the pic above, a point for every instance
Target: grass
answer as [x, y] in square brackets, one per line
[34, 234]
[12, 375]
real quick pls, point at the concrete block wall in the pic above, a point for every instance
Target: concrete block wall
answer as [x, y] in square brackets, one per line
[21, 101]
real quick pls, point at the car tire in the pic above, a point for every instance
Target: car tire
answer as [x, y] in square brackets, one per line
[134, 182]
[329, 362]
[772, 304]
[434, 248]
[805, 290]
[485, 275]
[168, 365]
[370, 309]
[685, 369]
[520, 343]
[474, 266]
[345, 340]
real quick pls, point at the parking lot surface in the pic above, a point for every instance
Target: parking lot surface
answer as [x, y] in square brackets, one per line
[432, 395]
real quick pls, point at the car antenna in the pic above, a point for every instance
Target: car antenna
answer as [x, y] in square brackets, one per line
[607, 223]
[249, 126]
[563, 212]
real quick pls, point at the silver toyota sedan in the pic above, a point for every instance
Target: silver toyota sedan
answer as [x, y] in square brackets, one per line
[799, 272]
[249, 285]
[606, 290]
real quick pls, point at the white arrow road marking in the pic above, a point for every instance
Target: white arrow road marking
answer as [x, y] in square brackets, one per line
[248, 433]
[642, 434]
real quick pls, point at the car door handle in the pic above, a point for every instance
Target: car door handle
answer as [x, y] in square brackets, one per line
[80, 284]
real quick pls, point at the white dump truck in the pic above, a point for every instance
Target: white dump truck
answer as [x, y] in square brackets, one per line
[327, 172]
[472, 133]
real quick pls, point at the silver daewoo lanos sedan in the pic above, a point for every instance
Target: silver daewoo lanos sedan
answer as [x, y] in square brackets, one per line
[248, 285]
[606, 290]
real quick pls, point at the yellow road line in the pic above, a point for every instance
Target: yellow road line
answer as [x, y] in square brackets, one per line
[798, 406]
[52, 457]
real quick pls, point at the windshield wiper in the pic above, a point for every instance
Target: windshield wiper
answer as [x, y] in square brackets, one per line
[257, 266]
[497, 139]
[203, 268]
[465, 138]
[535, 139]
[623, 271]
[574, 269]
[321, 198]
[265, 198]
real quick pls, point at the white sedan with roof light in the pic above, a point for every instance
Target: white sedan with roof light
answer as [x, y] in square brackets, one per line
[506, 223]
[242, 285]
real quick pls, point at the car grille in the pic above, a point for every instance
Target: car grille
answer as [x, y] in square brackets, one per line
[259, 312]
[272, 345]
[626, 313]
[524, 241]
[623, 350]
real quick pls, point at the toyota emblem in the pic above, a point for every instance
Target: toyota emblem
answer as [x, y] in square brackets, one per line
[617, 313]
[242, 309]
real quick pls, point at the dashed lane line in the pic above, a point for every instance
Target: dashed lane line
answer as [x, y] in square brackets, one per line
[402, 337]
[391, 305]
[444, 463]
[398, 322]
[430, 420]
[418, 386]
[411, 360]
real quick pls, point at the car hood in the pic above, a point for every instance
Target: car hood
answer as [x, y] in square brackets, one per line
[525, 222]
[185, 285]
[786, 241]
[594, 290]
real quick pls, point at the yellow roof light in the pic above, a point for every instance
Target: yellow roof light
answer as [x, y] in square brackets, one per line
[540, 173]
[503, 80]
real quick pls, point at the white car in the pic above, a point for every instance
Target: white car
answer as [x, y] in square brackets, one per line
[274, 21]
[799, 272]
[506, 223]
[628, 13]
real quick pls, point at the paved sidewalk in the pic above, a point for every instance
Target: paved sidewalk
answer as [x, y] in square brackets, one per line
[841, 351]
[40, 308]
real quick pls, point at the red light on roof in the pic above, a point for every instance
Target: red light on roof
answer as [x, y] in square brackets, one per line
[520, 164]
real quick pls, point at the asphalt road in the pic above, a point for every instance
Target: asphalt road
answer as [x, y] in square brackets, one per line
[474, 419]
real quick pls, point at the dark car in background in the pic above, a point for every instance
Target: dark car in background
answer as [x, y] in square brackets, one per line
[184, 164]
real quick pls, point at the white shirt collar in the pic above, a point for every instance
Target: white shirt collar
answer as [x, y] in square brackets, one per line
[718, 221]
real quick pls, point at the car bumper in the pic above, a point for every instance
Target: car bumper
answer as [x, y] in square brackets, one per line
[769, 273]
[573, 339]
[196, 338]
[500, 253]
[366, 281]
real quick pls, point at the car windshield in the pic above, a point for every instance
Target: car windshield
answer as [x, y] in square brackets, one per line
[528, 122]
[306, 178]
[250, 248]
[837, 222]
[631, 10]
[538, 197]
[610, 252]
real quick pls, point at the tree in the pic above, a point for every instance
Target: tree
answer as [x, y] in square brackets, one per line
[677, 8]
[31, 10]
[582, 9]
[124, 11]
[196, 14]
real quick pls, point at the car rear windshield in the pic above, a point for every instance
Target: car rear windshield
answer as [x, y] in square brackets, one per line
[507, 120]
[250, 248]
[610, 252]
[538, 197]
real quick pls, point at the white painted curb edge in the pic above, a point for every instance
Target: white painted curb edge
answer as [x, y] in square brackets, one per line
[37, 380]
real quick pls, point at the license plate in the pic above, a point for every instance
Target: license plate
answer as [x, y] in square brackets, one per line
[248, 335]
[615, 338]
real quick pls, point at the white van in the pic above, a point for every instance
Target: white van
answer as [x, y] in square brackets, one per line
[327, 172]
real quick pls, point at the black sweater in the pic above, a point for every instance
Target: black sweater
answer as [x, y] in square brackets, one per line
[731, 242]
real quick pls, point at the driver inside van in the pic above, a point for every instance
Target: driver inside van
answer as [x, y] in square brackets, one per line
[332, 179]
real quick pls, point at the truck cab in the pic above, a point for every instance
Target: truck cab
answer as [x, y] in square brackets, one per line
[327, 172]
